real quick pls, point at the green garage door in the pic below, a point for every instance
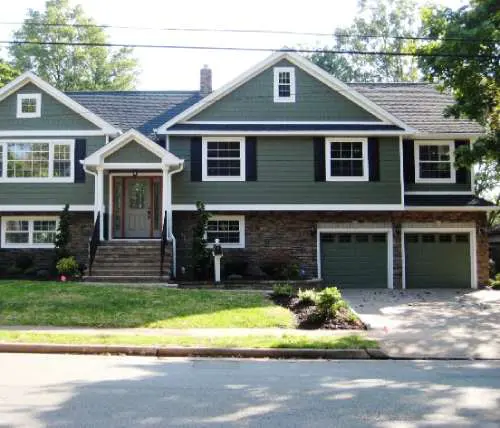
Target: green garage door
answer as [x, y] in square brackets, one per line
[437, 260]
[354, 260]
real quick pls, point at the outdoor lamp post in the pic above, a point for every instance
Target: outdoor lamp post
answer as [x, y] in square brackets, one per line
[217, 253]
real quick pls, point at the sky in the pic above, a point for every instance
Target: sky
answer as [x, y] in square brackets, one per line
[163, 69]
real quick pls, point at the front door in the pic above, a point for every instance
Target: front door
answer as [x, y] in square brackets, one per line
[138, 208]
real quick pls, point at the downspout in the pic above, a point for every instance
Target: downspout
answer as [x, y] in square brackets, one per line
[170, 234]
[88, 171]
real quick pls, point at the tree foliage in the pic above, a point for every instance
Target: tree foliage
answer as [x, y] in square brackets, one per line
[63, 235]
[200, 253]
[71, 67]
[486, 185]
[386, 18]
[473, 76]
[7, 73]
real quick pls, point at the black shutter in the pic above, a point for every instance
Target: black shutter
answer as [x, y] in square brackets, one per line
[374, 159]
[196, 159]
[162, 141]
[80, 154]
[409, 161]
[319, 159]
[251, 158]
[462, 174]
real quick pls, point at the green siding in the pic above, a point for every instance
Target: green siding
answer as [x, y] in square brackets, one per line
[52, 193]
[285, 175]
[354, 264]
[437, 187]
[132, 153]
[314, 101]
[54, 115]
[438, 264]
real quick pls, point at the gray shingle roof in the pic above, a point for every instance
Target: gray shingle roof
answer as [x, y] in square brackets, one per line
[142, 110]
[419, 105]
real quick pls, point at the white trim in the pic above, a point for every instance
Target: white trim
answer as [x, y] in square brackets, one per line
[444, 229]
[98, 157]
[444, 192]
[29, 77]
[276, 96]
[343, 229]
[328, 159]
[38, 106]
[55, 133]
[395, 133]
[282, 122]
[44, 208]
[305, 65]
[241, 221]
[446, 136]
[456, 208]
[30, 219]
[204, 159]
[453, 172]
[291, 207]
[50, 178]
[401, 170]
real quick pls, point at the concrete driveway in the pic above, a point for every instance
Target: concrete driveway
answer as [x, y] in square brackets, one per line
[431, 323]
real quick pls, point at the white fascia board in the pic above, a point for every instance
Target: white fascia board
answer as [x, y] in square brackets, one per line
[460, 208]
[395, 133]
[291, 207]
[444, 192]
[55, 133]
[445, 136]
[44, 208]
[29, 77]
[306, 66]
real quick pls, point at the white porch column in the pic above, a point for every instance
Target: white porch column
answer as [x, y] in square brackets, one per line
[100, 200]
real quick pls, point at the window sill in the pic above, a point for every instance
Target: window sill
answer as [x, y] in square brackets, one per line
[223, 178]
[29, 246]
[435, 180]
[229, 246]
[38, 180]
[347, 179]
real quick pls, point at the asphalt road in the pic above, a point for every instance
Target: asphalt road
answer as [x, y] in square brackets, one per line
[101, 391]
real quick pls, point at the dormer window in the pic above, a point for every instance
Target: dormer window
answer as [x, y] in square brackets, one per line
[29, 105]
[284, 85]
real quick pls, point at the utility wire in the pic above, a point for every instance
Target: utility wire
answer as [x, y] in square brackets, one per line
[249, 31]
[243, 49]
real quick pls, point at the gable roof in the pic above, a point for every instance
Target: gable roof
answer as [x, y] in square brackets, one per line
[29, 77]
[420, 105]
[142, 110]
[305, 65]
[132, 135]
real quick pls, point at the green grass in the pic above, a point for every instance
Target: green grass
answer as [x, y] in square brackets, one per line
[73, 304]
[284, 341]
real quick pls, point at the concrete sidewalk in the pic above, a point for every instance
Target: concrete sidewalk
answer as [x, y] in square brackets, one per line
[434, 323]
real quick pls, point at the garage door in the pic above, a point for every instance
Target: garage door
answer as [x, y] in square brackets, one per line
[354, 260]
[440, 260]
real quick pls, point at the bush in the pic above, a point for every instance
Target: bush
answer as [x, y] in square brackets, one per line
[330, 301]
[13, 270]
[24, 261]
[280, 266]
[67, 266]
[235, 267]
[308, 297]
[285, 290]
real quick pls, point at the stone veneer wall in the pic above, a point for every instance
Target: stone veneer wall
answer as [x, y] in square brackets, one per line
[293, 234]
[81, 228]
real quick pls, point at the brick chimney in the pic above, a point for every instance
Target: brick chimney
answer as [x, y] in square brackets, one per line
[205, 81]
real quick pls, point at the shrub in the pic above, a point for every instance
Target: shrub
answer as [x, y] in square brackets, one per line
[235, 267]
[274, 269]
[63, 235]
[24, 261]
[13, 270]
[308, 297]
[200, 254]
[283, 290]
[67, 266]
[330, 301]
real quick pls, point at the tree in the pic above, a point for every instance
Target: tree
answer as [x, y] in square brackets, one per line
[486, 182]
[200, 253]
[71, 67]
[63, 235]
[472, 33]
[384, 18]
[7, 73]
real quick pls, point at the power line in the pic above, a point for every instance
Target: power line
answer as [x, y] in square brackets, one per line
[250, 31]
[244, 49]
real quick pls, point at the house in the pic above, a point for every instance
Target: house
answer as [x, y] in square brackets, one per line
[354, 182]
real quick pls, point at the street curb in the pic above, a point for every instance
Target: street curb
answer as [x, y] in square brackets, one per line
[158, 351]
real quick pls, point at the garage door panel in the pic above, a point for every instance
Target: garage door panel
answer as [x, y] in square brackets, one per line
[360, 262]
[437, 260]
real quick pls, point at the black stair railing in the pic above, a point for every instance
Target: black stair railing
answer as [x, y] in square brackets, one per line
[163, 242]
[94, 242]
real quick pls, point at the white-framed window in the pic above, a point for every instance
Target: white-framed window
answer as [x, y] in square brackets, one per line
[29, 232]
[35, 161]
[284, 84]
[29, 106]
[223, 159]
[229, 229]
[434, 161]
[346, 159]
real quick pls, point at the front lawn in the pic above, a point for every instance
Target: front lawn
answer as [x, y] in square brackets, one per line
[73, 304]
[284, 341]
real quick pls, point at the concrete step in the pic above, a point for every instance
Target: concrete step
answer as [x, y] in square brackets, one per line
[129, 272]
[137, 264]
[128, 278]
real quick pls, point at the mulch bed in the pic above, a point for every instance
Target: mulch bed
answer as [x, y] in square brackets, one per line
[308, 318]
